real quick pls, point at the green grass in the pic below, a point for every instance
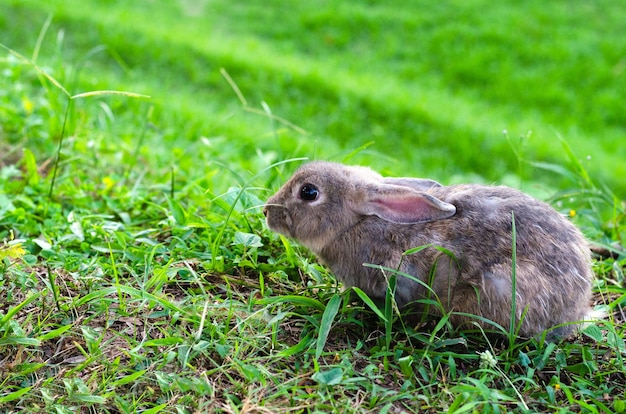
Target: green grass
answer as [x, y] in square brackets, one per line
[144, 279]
[429, 85]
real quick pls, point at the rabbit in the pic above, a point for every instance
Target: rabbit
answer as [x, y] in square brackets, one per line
[349, 216]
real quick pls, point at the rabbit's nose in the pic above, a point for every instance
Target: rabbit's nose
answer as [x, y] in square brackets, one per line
[265, 211]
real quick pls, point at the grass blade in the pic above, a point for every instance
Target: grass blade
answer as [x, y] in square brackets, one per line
[366, 299]
[327, 321]
[37, 68]
[294, 299]
[14, 395]
[13, 311]
[108, 93]
[513, 279]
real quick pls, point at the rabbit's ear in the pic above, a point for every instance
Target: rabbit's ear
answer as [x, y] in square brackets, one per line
[420, 184]
[403, 205]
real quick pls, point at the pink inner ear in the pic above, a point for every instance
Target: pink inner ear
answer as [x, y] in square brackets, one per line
[410, 209]
[401, 206]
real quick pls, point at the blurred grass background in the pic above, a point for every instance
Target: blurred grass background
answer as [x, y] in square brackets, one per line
[432, 86]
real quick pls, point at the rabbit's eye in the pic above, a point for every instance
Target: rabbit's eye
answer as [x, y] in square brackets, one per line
[309, 192]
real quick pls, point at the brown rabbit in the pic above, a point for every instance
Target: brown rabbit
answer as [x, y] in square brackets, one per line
[350, 216]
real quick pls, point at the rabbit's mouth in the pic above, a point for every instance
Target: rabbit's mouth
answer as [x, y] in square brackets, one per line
[278, 219]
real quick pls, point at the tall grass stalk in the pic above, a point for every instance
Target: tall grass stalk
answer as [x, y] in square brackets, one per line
[69, 99]
[512, 326]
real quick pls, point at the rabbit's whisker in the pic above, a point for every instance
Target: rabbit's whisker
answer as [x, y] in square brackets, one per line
[258, 206]
[273, 205]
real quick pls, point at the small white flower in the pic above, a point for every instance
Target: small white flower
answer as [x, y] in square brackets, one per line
[487, 360]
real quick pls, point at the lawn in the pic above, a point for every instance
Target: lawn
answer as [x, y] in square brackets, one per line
[137, 273]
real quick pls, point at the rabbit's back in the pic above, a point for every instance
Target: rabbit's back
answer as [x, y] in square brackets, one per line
[468, 263]
[552, 260]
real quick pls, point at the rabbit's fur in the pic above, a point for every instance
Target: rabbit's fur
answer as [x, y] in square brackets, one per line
[358, 217]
